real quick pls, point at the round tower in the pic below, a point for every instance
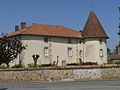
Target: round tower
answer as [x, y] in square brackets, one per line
[94, 39]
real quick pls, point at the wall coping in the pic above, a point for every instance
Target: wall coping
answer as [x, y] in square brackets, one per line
[64, 68]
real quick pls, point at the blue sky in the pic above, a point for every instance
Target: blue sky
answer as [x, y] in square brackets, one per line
[70, 13]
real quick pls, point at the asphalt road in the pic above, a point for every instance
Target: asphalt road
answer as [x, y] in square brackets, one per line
[63, 85]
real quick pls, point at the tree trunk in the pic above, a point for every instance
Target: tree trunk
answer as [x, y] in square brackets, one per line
[7, 64]
[35, 63]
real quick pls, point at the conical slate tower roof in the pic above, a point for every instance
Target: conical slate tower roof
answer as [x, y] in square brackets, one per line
[93, 28]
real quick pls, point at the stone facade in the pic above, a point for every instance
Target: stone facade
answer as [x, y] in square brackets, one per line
[61, 73]
[63, 45]
[57, 50]
[87, 51]
[95, 50]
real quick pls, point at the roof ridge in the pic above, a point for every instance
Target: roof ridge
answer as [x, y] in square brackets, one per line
[70, 29]
[57, 26]
[48, 24]
[48, 30]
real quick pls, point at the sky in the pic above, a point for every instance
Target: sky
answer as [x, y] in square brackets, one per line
[69, 13]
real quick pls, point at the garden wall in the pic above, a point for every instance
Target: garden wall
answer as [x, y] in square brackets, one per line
[61, 73]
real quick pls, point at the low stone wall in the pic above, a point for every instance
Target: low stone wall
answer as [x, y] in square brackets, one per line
[61, 73]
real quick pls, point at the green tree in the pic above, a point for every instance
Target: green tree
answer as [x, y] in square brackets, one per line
[10, 48]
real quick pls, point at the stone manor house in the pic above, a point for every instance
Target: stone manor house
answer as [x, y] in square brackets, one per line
[61, 45]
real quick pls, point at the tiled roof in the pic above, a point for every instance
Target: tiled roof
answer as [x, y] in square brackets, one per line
[48, 30]
[93, 28]
[115, 57]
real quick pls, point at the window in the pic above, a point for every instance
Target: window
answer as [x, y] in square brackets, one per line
[83, 41]
[101, 53]
[45, 39]
[49, 38]
[80, 41]
[70, 52]
[80, 53]
[46, 51]
[100, 41]
[17, 38]
[69, 41]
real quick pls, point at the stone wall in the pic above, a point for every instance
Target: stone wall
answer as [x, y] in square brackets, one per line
[61, 73]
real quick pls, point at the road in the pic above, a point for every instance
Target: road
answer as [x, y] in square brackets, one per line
[63, 85]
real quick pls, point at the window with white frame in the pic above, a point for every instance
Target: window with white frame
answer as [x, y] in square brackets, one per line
[46, 51]
[101, 53]
[70, 52]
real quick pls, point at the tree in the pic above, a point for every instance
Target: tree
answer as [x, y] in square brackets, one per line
[10, 48]
[108, 51]
[109, 55]
[35, 58]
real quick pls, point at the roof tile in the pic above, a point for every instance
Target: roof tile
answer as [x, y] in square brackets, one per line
[115, 57]
[93, 28]
[48, 30]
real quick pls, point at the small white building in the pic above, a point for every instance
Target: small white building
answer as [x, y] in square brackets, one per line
[62, 45]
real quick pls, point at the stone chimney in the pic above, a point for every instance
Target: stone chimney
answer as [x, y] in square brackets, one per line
[23, 25]
[16, 28]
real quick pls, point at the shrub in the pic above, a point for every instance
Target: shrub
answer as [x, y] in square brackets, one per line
[3, 66]
[18, 66]
[31, 65]
[89, 63]
[72, 64]
[46, 65]
[117, 62]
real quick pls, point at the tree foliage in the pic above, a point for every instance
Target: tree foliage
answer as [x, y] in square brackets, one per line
[10, 48]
